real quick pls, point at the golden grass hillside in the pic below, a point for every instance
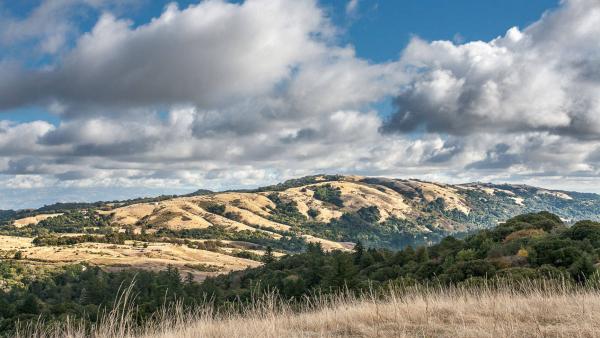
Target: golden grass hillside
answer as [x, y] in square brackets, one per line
[426, 208]
[454, 312]
[402, 199]
[254, 209]
[133, 255]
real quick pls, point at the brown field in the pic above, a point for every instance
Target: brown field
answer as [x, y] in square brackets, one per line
[156, 256]
[14, 243]
[438, 313]
[189, 213]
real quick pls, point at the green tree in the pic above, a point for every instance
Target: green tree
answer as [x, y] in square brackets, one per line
[30, 305]
[359, 251]
[342, 272]
[582, 268]
[422, 254]
[268, 255]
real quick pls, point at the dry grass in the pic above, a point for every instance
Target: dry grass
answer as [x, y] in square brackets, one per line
[33, 219]
[452, 199]
[417, 312]
[254, 209]
[154, 256]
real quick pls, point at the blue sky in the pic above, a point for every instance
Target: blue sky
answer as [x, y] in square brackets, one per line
[130, 96]
[379, 30]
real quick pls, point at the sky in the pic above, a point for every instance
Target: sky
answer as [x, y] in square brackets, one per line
[113, 99]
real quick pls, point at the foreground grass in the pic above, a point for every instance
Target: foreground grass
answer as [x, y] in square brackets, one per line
[413, 312]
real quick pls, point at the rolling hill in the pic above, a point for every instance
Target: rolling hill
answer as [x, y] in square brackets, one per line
[207, 233]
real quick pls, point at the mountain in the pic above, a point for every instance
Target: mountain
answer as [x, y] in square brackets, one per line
[379, 211]
[207, 233]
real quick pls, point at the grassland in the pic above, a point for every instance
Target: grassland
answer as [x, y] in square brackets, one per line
[130, 255]
[527, 310]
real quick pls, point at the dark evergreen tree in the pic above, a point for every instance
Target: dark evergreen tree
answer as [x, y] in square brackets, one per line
[268, 256]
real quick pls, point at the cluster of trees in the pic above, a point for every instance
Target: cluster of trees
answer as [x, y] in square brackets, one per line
[286, 212]
[82, 291]
[328, 193]
[289, 242]
[364, 226]
[219, 209]
[53, 240]
[525, 247]
[87, 221]
[6, 216]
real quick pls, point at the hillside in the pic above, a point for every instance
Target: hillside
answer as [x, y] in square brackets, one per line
[414, 207]
[207, 233]
[531, 272]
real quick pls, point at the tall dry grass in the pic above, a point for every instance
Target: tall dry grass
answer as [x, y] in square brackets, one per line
[531, 309]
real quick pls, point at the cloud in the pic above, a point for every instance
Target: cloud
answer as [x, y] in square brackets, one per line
[51, 24]
[221, 95]
[543, 78]
[352, 7]
[16, 139]
[207, 54]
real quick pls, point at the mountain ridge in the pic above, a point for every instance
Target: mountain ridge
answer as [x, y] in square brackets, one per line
[452, 205]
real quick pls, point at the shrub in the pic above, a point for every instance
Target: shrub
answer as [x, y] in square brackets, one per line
[313, 213]
[525, 233]
[216, 208]
[585, 230]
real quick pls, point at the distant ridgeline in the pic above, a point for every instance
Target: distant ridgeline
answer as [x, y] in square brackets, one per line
[528, 247]
[488, 203]
[510, 200]
[379, 212]
[9, 215]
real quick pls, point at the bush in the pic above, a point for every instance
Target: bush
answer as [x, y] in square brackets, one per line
[313, 213]
[216, 208]
[585, 230]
